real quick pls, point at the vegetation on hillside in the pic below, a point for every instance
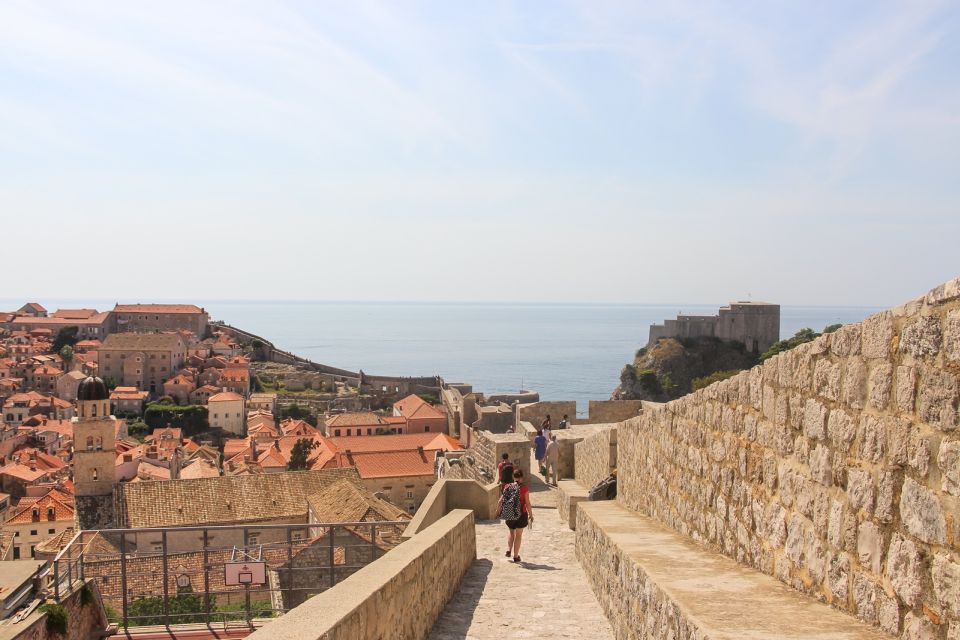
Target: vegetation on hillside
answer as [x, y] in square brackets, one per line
[804, 335]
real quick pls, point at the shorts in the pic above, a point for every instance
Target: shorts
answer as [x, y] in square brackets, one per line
[519, 523]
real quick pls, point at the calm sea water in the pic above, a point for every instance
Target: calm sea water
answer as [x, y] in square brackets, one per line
[566, 352]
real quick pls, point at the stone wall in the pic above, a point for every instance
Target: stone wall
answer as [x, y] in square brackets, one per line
[595, 457]
[400, 596]
[536, 412]
[479, 462]
[614, 410]
[834, 467]
[567, 440]
[83, 621]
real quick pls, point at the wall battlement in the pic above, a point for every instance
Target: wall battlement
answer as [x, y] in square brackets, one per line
[755, 324]
[834, 467]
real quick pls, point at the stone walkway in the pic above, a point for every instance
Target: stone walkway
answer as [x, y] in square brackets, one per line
[546, 596]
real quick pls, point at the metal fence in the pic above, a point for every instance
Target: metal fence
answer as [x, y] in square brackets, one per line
[232, 573]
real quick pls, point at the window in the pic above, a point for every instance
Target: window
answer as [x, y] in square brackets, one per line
[51, 515]
[153, 356]
[95, 474]
[16, 553]
[108, 356]
[297, 535]
[33, 532]
[409, 494]
[51, 530]
[348, 431]
[216, 415]
[336, 432]
[253, 539]
[426, 429]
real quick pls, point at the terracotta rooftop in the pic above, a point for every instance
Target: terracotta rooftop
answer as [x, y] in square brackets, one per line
[385, 464]
[345, 502]
[356, 419]
[61, 503]
[429, 441]
[22, 472]
[142, 342]
[74, 314]
[224, 500]
[225, 396]
[413, 406]
[157, 308]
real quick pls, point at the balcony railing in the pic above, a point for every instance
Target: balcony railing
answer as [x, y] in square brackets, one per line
[232, 573]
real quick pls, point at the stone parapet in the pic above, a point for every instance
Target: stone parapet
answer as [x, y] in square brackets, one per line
[595, 457]
[567, 439]
[655, 583]
[449, 494]
[570, 493]
[834, 467]
[399, 596]
[614, 410]
[479, 462]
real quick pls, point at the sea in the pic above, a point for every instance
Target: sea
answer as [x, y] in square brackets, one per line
[563, 351]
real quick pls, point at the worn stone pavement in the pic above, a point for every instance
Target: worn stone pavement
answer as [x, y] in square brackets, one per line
[546, 596]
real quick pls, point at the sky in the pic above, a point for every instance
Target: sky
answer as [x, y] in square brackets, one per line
[803, 153]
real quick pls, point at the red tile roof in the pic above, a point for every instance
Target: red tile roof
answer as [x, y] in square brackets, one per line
[408, 441]
[386, 464]
[225, 396]
[61, 503]
[357, 419]
[157, 308]
[413, 406]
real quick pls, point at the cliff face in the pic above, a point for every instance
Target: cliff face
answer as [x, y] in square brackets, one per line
[667, 369]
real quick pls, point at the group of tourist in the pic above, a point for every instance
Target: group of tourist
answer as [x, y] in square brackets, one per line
[514, 506]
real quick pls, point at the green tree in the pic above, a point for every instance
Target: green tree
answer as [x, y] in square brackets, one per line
[184, 608]
[191, 417]
[706, 381]
[66, 336]
[301, 453]
[831, 328]
[804, 335]
[296, 412]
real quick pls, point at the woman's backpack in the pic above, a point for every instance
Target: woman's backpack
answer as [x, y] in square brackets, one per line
[509, 508]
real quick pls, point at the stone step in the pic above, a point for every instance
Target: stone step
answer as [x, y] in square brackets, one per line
[570, 493]
[655, 583]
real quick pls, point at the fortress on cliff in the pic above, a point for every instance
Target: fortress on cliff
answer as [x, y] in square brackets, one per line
[755, 324]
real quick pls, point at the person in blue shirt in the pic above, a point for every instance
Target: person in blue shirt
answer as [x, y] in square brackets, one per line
[540, 448]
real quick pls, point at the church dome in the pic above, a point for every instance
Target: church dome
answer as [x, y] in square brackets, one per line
[92, 388]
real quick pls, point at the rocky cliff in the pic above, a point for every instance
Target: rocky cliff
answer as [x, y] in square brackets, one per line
[669, 368]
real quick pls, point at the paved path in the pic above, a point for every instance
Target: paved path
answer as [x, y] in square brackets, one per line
[546, 596]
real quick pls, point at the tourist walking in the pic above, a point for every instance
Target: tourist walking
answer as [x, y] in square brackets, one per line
[546, 425]
[517, 512]
[564, 423]
[505, 471]
[540, 451]
[551, 459]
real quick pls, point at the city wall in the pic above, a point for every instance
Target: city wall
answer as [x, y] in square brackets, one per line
[614, 410]
[399, 596]
[484, 452]
[83, 620]
[536, 412]
[595, 457]
[834, 467]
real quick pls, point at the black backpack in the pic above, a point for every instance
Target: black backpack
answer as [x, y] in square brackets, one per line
[510, 508]
[506, 473]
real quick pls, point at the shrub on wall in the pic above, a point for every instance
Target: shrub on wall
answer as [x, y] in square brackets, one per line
[57, 618]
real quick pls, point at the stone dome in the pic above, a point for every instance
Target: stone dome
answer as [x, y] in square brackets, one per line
[92, 388]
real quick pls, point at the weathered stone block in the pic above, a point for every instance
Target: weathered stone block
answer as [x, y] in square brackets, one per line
[855, 383]
[890, 482]
[938, 399]
[906, 388]
[946, 583]
[820, 468]
[877, 335]
[917, 628]
[870, 546]
[865, 598]
[921, 512]
[846, 340]
[814, 420]
[860, 490]
[826, 379]
[881, 379]
[905, 569]
[921, 338]
[948, 459]
[841, 428]
[873, 438]
[951, 335]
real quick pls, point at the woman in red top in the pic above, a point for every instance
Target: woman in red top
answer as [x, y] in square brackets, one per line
[517, 526]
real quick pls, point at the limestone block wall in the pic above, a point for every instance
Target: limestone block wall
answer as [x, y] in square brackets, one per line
[479, 462]
[834, 467]
[595, 457]
[399, 596]
[83, 621]
[567, 440]
[614, 410]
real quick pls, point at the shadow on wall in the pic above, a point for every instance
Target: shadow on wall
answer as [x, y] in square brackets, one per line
[458, 615]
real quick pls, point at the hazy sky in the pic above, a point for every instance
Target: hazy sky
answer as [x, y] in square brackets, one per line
[804, 152]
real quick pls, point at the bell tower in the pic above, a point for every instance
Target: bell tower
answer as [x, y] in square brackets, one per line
[94, 456]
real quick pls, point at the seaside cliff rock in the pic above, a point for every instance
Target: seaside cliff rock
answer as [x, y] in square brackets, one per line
[667, 369]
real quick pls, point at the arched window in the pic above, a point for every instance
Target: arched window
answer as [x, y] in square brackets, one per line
[51, 513]
[89, 442]
[99, 443]
[95, 474]
[93, 414]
